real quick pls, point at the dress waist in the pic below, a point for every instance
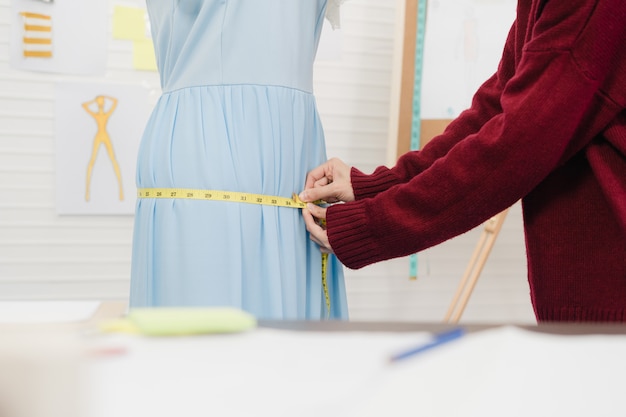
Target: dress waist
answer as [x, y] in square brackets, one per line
[249, 85]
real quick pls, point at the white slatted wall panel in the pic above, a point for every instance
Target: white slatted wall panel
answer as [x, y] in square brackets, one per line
[46, 256]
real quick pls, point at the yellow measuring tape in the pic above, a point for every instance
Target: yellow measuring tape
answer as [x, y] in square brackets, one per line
[237, 197]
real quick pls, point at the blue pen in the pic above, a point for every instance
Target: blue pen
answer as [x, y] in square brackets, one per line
[440, 339]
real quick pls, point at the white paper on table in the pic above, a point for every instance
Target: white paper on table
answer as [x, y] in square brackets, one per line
[507, 372]
[501, 372]
[46, 311]
[264, 372]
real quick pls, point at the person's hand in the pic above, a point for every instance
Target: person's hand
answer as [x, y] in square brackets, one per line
[329, 182]
[314, 218]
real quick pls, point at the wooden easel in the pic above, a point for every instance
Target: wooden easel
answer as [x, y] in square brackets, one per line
[475, 267]
[401, 123]
[428, 129]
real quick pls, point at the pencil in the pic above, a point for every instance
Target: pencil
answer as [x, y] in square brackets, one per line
[438, 340]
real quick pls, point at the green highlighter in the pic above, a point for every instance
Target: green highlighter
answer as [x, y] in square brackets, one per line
[181, 321]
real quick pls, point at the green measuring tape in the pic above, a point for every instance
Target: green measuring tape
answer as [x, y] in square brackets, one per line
[416, 122]
[238, 197]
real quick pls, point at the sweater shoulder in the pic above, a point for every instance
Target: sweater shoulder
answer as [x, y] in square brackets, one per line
[591, 31]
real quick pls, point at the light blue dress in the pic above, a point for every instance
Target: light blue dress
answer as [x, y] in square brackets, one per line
[237, 114]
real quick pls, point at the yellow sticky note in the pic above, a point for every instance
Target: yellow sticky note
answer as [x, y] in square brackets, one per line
[182, 321]
[143, 56]
[129, 23]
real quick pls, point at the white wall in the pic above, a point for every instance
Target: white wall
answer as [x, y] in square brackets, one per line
[46, 256]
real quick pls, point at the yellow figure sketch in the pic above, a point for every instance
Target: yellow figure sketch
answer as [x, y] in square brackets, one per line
[102, 138]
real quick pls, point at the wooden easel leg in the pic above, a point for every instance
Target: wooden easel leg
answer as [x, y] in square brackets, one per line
[475, 267]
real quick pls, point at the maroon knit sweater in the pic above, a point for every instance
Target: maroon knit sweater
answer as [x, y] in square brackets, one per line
[548, 127]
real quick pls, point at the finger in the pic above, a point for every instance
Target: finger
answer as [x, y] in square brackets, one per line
[315, 175]
[322, 241]
[316, 233]
[317, 211]
[325, 193]
[309, 221]
[322, 182]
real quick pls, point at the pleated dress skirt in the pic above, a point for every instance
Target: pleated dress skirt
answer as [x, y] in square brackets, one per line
[257, 139]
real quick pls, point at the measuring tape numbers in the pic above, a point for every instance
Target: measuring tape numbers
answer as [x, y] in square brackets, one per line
[218, 195]
[416, 122]
[238, 197]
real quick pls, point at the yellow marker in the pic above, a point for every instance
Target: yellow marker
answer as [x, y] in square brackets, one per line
[238, 197]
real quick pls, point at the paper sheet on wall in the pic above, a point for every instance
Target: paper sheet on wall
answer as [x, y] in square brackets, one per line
[462, 47]
[98, 130]
[60, 37]
[144, 58]
[132, 24]
[129, 23]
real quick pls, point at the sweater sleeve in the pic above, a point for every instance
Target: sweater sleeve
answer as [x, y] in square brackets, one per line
[485, 105]
[553, 105]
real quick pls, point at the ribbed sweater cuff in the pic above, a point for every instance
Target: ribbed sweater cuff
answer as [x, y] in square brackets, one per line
[366, 186]
[349, 235]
